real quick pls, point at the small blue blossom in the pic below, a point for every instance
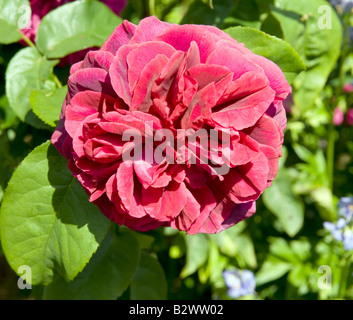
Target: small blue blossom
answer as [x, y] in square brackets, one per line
[239, 282]
[335, 229]
[345, 207]
[348, 239]
[342, 230]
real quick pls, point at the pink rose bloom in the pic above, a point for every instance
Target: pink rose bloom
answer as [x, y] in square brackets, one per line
[160, 75]
[288, 104]
[338, 116]
[40, 8]
[349, 116]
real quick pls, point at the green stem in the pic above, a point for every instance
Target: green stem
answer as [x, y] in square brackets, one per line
[345, 264]
[345, 49]
[151, 7]
[57, 81]
[28, 41]
[32, 45]
[332, 134]
[330, 155]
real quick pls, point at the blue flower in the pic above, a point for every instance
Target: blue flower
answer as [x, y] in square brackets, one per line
[342, 230]
[239, 282]
[345, 207]
[336, 228]
[348, 239]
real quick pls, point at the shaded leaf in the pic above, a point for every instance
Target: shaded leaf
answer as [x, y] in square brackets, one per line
[46, 219]
[200, 12]
[196, 253]
[149, 282]
[106, 276]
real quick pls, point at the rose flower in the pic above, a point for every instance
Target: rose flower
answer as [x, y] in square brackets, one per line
[160, 76]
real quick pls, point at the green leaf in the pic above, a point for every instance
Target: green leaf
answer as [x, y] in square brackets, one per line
[149, 282]
[46, 219]
[246, 251]
[302, 152]
[236, 245]
[284, 204]
[272, 26]
[299, 277]
[106, 276]
[301, 248]
[196, 253]
[270, 47]
[202, 13]
[245, 13]
[281, 249]
[145, 241]
[46, 104]
[216, 264]
[10, 118]
[27, 71]
[13, 14]
[225, 240]
[318, 47]
[75, 26]
[271, 270]
[324, 202]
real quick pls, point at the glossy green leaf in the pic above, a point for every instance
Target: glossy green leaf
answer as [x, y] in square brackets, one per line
[149, 282]
[46, 220]
[14, 15]
[75, 26]
[46, 104]
[270, 47]
[28, 71]
[106, 276]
